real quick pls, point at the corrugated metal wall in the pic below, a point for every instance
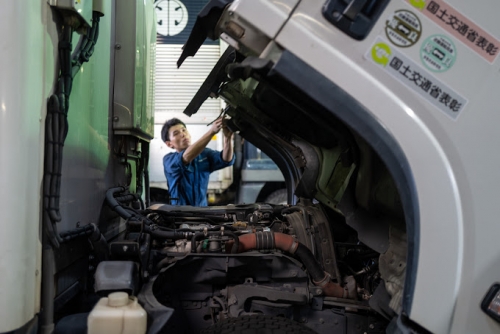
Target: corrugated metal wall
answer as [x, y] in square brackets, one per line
[176, 87]
[174, 90]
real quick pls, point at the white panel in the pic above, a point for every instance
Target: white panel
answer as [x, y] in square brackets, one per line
[453, 163]
[134, 69]
[22, 105]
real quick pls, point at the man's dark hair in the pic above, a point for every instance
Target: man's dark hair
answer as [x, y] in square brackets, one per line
[166, 127]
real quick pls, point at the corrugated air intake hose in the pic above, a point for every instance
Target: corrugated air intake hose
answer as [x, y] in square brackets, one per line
[287, 243]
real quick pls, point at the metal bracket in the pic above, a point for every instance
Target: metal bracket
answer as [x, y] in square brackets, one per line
[354, 17]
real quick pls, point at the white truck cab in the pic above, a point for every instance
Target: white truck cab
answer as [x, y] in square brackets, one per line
[416, 80]
[381, 116]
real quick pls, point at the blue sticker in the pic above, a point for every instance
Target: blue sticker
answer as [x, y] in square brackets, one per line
[438, 53]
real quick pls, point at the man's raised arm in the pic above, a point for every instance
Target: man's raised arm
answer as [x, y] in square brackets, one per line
[196, 148]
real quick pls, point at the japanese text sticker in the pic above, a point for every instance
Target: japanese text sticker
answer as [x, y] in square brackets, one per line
[460, 27]
[416, 78]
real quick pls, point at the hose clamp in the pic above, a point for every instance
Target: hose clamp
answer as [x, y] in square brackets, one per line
[324, 281]
[294, 246]
[345, 294]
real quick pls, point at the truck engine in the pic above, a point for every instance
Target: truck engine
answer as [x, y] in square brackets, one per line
[223, 266]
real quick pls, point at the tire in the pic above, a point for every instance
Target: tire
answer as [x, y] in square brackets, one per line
[279, 196]
[258, 324]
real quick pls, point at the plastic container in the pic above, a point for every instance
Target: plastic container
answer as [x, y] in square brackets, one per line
[117, 314]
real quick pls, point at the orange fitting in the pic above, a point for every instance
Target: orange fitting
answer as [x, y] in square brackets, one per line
[247, 242]
[331, 289]
[334, 290]
[282, 241]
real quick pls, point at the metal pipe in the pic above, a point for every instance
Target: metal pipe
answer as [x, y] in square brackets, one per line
[48, 288]
[200, 235]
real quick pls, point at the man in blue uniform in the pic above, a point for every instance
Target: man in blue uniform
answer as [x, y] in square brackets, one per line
[188, 168]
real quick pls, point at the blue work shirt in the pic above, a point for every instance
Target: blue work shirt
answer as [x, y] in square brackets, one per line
[189, 183]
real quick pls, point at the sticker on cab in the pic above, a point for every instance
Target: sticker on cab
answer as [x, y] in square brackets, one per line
[438, 53]
[416, 78]
[403, 28]
[459, 26]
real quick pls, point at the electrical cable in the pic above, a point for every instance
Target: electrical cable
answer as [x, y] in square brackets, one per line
[146, 175]
[56, 129]
[56, 123]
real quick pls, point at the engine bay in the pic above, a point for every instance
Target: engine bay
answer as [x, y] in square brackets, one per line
[198, 268]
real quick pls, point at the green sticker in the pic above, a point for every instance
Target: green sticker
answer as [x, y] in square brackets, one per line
[403, 28]
[438, 53]
[420, 4]
[415, 77]
[381, 53]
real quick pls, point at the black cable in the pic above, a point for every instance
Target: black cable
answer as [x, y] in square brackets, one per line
[136, 219]
[179, 215]
[137, 213]
[146, 174]
[173, 229]
[127, 198]
[56, 130]
[189, 220]
[87, 45]
[174, 235]
[292, 209]
[77, 232]
[126, 212]
[56, 123]
[222, 111]
[115, 205]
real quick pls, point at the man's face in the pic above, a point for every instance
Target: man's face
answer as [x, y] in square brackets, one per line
[179, 137]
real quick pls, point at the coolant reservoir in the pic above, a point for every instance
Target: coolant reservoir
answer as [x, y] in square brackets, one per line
[117, 314]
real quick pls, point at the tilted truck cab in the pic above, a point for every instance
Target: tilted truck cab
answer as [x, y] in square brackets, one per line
[381, 116]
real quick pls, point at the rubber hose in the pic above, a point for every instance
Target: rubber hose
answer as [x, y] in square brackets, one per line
[127, 198]
[99, 244]
[288, 244]
[114, 203]
[281, 241]
[166, 234]
[307, 258]
[194, 239]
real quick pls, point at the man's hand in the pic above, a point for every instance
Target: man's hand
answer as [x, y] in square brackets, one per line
[227, 151]
[194, 150]
[227, 132]
[216, 126]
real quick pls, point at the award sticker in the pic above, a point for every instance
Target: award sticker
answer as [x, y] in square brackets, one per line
[459, 26]
[416, 78]
[403, 28]
[438, 53]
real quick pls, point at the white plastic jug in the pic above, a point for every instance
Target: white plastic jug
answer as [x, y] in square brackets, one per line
[117, 314]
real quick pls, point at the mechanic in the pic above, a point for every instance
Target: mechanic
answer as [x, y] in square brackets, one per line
[188, 169]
